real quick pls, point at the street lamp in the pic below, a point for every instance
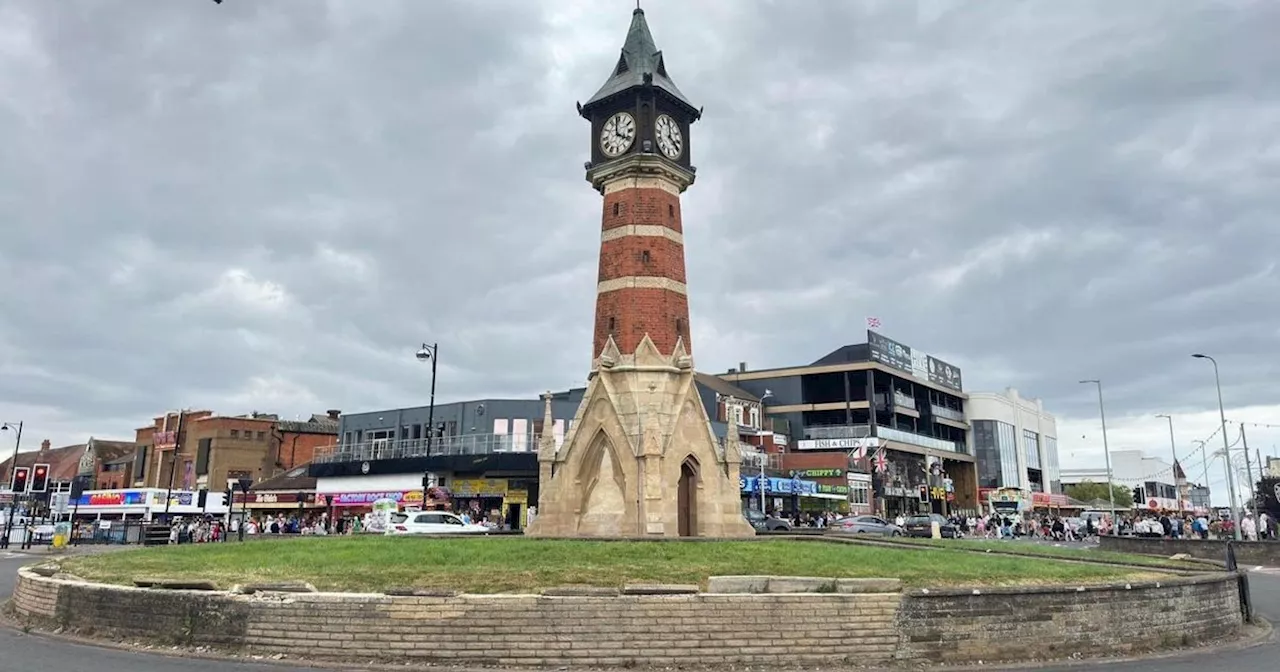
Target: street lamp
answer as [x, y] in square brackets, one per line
[430, 353]
[1226, 448]
[1106, 450]
[1173, 446]
[8, 526]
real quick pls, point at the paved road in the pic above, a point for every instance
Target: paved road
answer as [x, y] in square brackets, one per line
[25, 653]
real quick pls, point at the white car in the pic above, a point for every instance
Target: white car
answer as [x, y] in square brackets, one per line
[432, 522]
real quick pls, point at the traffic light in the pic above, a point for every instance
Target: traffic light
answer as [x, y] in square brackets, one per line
[202, 499]
[40, 478]
[1137, 496]
[19, 483]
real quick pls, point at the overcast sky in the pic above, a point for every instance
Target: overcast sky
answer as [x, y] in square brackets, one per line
[270, 205]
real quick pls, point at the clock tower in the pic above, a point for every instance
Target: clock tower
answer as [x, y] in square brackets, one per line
[640, 458]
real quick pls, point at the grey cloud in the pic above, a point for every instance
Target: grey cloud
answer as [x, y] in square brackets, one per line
[211, 204]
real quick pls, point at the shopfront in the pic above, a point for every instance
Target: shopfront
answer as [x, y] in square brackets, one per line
[789, 496]
[145, 504]
[504, 501]
[279, 502]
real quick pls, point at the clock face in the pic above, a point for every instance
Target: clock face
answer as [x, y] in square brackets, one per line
[618, 134]
[668, 134]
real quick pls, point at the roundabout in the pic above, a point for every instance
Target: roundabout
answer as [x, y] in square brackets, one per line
[536, 602]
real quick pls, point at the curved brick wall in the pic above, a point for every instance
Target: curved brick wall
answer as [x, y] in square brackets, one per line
[768, 628]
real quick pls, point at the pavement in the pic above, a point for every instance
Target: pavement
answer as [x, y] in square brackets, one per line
[21, 652]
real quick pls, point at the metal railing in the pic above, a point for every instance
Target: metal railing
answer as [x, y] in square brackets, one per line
[837, 431]
[948, 413]
[891, 434]
[390, 449]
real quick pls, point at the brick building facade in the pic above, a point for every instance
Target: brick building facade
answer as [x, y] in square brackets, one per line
[212, 449]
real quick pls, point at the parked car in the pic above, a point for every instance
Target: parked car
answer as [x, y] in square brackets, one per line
[922, 526]
[764, 523]
[866, 525]
[432, 522]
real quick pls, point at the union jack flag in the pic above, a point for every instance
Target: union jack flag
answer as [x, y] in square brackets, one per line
[881, 462]
[873, 323]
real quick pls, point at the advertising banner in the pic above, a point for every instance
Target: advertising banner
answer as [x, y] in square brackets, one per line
[777, 486]
[818, 473]
[838, 444]
[369, 498]
[944, 374]
[889, 352]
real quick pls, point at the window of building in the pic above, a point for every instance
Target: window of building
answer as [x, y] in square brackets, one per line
[860, 493]
[671, 210]
[734, 412]
[262, 436]
[611, 325]
[617, 207]
[1007, 439]
[755, 418]
[644, 257]
[1031, 448]
[679, 326]
[235, 433]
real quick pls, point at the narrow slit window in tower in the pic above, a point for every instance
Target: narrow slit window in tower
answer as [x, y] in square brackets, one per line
[671, 211]
[617, 207]
[611, 324]
[679, 326]
[644, 257]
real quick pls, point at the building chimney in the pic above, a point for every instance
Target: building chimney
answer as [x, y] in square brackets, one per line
[742, 367]
[44, 446]
[334, 413]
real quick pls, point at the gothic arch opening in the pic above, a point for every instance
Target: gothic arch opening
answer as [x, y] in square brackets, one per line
[603, 504]
[687, 497]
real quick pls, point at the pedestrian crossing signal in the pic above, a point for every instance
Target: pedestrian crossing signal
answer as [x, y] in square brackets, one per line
[20, 476]
[40, 478]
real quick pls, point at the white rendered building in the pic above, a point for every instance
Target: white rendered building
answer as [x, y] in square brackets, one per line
[1015, 441]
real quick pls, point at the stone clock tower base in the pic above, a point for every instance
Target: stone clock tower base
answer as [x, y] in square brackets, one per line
[640, 459]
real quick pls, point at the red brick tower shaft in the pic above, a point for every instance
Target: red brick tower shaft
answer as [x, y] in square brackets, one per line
[641, 286]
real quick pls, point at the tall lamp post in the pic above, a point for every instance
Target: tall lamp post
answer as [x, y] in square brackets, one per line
[13, 465]
[1226, 448]
[1173, 446]
[430, 353]
[1106, 450]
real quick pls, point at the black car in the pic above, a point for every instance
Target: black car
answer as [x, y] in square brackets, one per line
[764, 523]
[922, 526]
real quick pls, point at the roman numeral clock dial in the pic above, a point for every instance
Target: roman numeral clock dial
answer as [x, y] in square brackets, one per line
[669, 139]
[618, 134]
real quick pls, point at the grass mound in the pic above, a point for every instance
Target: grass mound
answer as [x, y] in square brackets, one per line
[515, 564]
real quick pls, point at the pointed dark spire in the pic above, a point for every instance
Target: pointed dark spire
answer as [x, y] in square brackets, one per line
[640, 61]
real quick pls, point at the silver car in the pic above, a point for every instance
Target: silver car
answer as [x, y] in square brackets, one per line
[866, 525]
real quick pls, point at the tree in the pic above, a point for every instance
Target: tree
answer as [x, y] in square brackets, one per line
[1088, 491]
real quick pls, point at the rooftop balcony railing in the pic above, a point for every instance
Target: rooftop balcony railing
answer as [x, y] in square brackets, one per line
[891, 434]
[948, 413]
[391, 449]
[837, 431]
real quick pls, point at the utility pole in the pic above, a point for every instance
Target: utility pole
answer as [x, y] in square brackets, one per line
[1248, 469]
[173, 464]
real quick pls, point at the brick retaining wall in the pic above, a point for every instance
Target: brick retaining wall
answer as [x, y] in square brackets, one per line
[1266, 553]
[649, 630]
[1017, 624]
